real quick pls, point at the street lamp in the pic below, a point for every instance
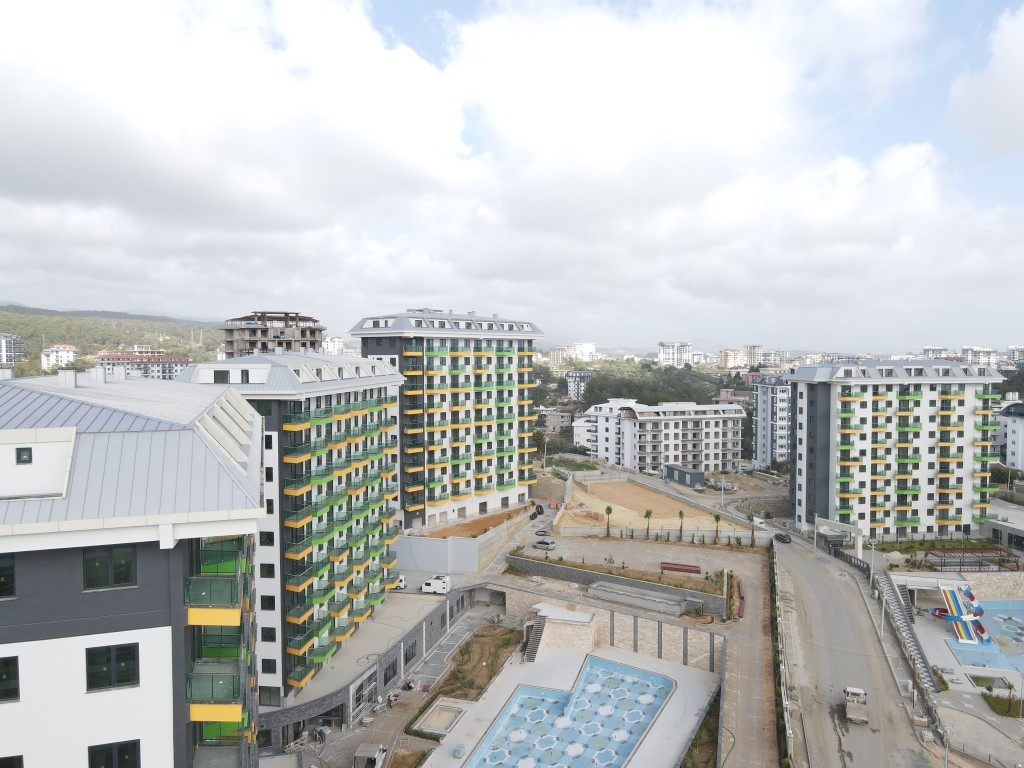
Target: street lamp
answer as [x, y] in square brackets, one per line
[945, 746]
[871, 572]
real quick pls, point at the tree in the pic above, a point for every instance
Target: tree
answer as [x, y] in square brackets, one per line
[718, 520]
[608, 521]
[750, 519]
[1009, 687]
[681, 515]
[647, 517]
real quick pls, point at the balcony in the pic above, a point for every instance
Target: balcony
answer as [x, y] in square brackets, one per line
[213, 591]
[909, 458]
[906, 522]
[912, 426]
[915, 394]
[985, 488]
[989, 396]
[986, 457]
[986, 426]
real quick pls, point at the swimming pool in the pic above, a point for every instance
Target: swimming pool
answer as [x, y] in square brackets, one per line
[599, 722]
[1004, 622]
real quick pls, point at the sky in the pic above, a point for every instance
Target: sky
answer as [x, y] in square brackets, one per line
[802, 174]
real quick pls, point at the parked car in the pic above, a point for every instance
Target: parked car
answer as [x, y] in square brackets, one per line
[785, 538]
[546, 544]
[543, 532]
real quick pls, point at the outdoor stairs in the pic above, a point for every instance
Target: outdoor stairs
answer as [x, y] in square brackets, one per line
[901, 616]
[534, 642]
[907, 605]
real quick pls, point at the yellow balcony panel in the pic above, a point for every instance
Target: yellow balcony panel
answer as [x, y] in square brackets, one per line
[386, 473]
[879, 477]
[944, 412]
[853, 397]
[414, 468]
[412, 431]
[343, 634]
[878, 509]
[980, 505]
[215, 713]
[214, 617]
[904, 413]
[299, 587]
[878, 492]
[298, 491]
[437, 391]
[950, 427]
[851, 431]
[299, 555]
[358, 410]
[460, 495]
[904, 445]
[982, 443]
[850, 495]
[300, 619]
[297, 651]
[883, 460]
[414, 411]
[295, 427]
[883, 428]
[948, 491]
[391, 495]
[412, 353]
[952, 395]
[391, 538]
[880, 397]
[530, 449]
[904, 508]
[850, 462]
[414, 488]
[412, 372]
[879, 524]
[981, 474]
[298, 523]
[982, 412]
[948, 521]
[297, 458]
[341, 580]
[904, 476]
[944, 443]
[413, 449]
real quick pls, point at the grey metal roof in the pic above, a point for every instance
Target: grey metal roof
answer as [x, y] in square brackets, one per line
[27, 408]
[403, 323]
[1013, 409]
[864, 371]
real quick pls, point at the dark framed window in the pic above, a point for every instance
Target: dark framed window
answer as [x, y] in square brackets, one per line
[410, 652]
[270, 506]
[22, 455]
[267, 603]
[266, 570]
[9, 688]
[268, 442]
[109, 566]
[268, 473]
[269, 666]
[122, 755]
[14, 761]
[266, 538]
[6, 577]
[112, 666]
[270, 696]
[221, 377]
[268, 634]
[245, 376]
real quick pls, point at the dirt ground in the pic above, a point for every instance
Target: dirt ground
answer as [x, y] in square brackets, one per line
[407, 758]
[476, 526]
[477, 661]
[629, 501]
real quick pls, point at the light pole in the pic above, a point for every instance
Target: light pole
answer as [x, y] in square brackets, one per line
[871, 571]
[1020, 712]
[945, 746]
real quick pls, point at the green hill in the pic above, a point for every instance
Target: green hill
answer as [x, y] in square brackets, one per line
[92, 331]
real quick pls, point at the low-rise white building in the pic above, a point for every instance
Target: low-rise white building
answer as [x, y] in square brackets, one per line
[142, 362]
[57, 356]
[771, 420]
[11, 349]
[648, 437]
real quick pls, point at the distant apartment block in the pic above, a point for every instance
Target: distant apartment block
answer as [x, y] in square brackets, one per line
[894, 447]
[551, 420]
[583, 351]
[262, 333]
[732, 358]
[127, 515]
[339, 345]
[57, 356]
[559, 358]
[675, 353]
[466, 409]
[330, 448]
[142, 362]
[935, 353]
[577, 383]
[646, 438]
[771, 421]
[1011, 419]
[11, 349]
[980, 356]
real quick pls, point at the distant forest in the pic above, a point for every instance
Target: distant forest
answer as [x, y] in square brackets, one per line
[651, 384]
[92, 331]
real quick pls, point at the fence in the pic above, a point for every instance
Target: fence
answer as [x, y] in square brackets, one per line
[665, 534]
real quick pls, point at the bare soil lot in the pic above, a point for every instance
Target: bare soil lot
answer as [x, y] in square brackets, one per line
[629, 501]
[475, 526]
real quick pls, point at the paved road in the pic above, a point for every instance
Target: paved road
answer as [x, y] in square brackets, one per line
[834, 645]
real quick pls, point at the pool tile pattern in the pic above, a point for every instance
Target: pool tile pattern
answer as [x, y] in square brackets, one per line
[599, 722]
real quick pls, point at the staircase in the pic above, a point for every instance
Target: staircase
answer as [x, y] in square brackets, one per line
[907, 605]
[900, 615]
[536, 631]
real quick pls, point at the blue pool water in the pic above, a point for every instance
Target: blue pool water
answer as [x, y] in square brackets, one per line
[599, 722]
[1004, 622]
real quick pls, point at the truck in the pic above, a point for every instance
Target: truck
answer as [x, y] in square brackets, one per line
[439, 585]
[370, 756]
[856, 705]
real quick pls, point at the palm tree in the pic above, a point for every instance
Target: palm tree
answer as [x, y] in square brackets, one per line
[1009, 707]
[647, 517]
[750, 519]
[608, 521]
[718, 519]
[681, 515]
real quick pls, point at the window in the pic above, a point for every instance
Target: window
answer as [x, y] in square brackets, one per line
[266, 538]
[270, 696]
[109, 566]
[266, 570]
[221, 377]
[15, 761]
[270, 506]
[410, 652]
[245, 375]
[113, 666]
[268, 442]
[267, 603]
[269, 666]
[269, 474]
[6, 576]
[268, 634]
[23, 455]
[9, 690]
[122, 755]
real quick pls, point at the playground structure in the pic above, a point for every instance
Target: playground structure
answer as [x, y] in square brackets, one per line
[964, 611]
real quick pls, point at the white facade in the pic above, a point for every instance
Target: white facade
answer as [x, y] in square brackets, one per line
[11, 350]
[583, 351]
[53, 692]
[675, 353]
[338, 345]
[771, 421]
[732, 358]
[894, 447]
[1015, 353]
[577, 383]
[57, 356]
[647, 437]
[1012, 420]
[980, 356]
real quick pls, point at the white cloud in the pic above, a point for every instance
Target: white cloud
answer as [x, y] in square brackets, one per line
[988, 103]
[623, 175]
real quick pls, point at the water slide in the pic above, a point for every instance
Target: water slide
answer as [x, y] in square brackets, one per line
[963, 610]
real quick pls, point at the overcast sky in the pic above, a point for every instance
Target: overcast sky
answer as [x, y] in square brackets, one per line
[843, 175]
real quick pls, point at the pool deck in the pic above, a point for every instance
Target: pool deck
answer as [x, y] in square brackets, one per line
[558, 668]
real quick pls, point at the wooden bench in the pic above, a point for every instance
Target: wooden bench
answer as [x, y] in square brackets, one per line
[680, 568]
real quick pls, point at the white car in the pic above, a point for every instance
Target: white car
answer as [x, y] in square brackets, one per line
[438, 585]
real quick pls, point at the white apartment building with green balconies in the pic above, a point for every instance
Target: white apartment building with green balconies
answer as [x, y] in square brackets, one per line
[323, 556]
[466, 409]
[899, 448]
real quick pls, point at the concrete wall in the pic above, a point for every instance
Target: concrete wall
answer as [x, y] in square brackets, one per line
[662, 639]
[456, 554]
[996, 585]
[713, 604]
[565, 634]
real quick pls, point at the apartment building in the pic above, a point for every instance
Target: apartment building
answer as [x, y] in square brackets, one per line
[771, 420]
[466, 409]
[142, 361]
[11, 349]
[339, 345]
[330, 447]
[1011, 419]
[577, 382]
[894, 447]
[264, 332]
[732, 358]
[980, 356]
[127, 514]
[675, 353]
[57, 356]
[646, 438]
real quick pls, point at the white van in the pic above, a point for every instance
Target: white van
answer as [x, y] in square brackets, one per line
[439, 585]
[401, 582]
